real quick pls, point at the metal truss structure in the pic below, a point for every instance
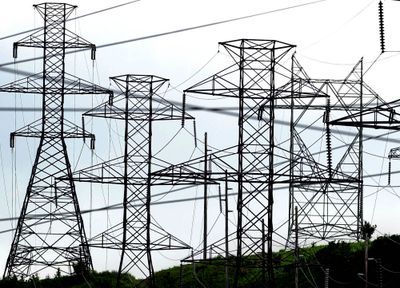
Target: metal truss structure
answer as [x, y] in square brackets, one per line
[382, 115]
[257, 165]
[249, 164]
[331, 210]
[50, 234]
[325, 187]
[139, 106]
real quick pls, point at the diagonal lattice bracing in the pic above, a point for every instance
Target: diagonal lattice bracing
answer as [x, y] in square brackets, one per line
[50, 234]
[330, 209]
[263, 85]
[334, 210]
[137, 235]
[252, 80]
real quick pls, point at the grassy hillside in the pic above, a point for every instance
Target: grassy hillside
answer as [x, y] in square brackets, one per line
[344, 260]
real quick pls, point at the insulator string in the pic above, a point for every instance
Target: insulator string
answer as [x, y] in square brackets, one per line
[381, 27]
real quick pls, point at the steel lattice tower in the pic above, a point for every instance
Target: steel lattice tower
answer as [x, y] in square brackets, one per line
[256, 166]
[252, 80]
[332, 209]
[257, 63]
[50, 234]
[138, 105]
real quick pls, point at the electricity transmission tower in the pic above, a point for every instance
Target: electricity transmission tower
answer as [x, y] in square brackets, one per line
[326, 187]
[263, 85]
[138, 105]
[331, 209]
[252, 80]
[50, 234]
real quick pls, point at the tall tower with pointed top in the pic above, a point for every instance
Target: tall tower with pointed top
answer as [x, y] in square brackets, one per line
[50, 234]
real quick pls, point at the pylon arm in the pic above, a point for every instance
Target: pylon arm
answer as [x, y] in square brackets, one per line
[111, 172]
[220, 84]
[115, 110]
[189, 173]
[162, 240]
[31, 84]
[34, 130]
[73, 85]
[71, 41]
[382, 116]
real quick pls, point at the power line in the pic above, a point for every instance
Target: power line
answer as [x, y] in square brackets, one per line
[189, 199]
[71, 19]
[176, 31]
[196, 27]
[224, 110]
[227, 111]
[190, 107]
[210, 24]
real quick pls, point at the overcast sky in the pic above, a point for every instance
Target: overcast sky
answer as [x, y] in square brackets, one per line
[331, 36]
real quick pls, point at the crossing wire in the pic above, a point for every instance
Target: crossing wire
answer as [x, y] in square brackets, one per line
[119, 205]
[71, 19]
[159, 35]
[191, 28]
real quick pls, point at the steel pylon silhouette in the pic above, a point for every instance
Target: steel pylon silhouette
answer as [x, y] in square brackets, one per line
[263, 85]
[330, 210]
[334, 210]
[138, 105]
[50, 234]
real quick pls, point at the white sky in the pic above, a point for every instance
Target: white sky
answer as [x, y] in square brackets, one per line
[326, 34]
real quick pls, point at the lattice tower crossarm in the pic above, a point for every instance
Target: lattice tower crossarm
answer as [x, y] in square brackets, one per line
[50, 234]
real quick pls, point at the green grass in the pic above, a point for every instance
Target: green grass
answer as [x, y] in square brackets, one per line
[344, 261]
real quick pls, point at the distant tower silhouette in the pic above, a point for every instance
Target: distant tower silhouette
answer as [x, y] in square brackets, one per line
[50, 235]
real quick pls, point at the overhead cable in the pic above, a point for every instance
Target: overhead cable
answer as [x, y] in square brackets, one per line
[175, 31]
[71, 19]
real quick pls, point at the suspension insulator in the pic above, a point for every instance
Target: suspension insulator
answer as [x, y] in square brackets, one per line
[15, 50]
[183, 109]
[194, 133]
[390, 171]
[381, 27]
[328, 137]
